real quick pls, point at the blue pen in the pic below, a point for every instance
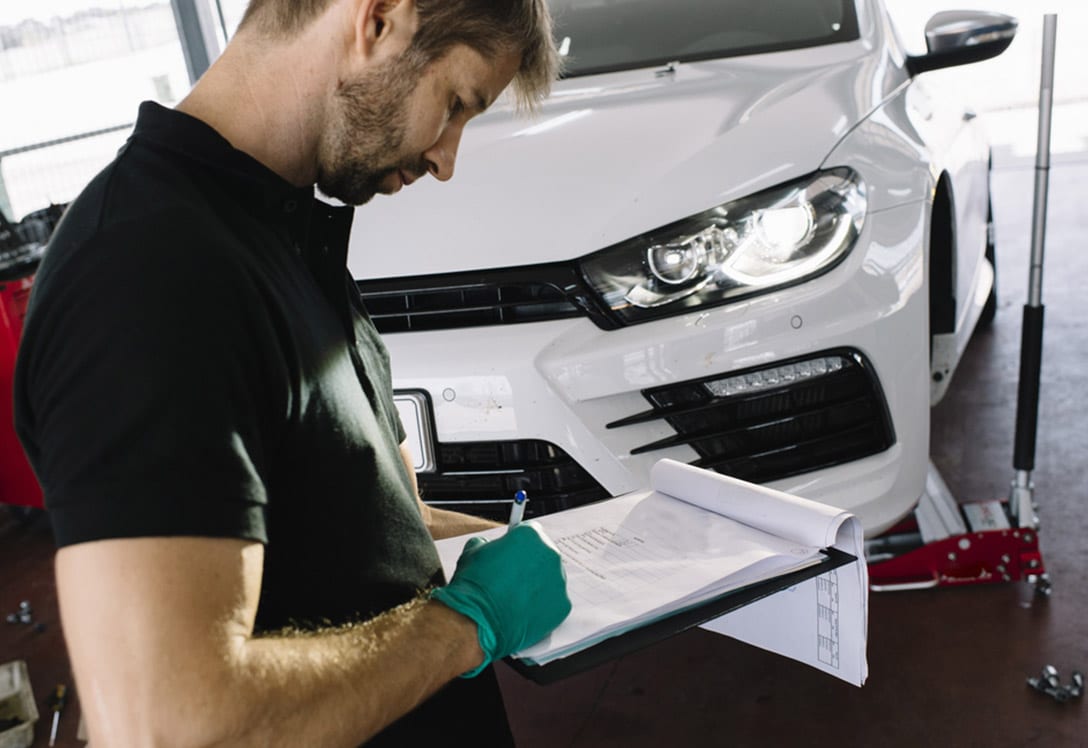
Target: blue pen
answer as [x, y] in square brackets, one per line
[517, 509]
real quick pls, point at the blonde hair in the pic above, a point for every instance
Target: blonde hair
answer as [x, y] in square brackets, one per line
[490, 27]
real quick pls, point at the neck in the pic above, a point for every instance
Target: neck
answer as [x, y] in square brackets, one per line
[268, 99]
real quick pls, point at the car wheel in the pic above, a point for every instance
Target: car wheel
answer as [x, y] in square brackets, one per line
[989, 311]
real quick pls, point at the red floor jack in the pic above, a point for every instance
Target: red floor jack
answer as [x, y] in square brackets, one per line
[947, 543]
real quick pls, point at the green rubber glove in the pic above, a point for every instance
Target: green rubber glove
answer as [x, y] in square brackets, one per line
[513, 587]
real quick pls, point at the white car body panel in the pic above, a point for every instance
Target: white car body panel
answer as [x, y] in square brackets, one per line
[609, 167]
[612, 156]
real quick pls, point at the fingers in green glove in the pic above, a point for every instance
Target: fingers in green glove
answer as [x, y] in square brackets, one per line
[513, 587]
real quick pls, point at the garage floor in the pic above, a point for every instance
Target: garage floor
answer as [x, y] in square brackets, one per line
[947, 667]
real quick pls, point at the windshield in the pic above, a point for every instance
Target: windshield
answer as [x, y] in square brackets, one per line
[598, 36]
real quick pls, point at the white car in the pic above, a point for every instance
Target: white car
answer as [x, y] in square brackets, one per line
[738, 234]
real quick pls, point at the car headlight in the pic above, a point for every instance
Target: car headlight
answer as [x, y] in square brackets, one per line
[758, 243]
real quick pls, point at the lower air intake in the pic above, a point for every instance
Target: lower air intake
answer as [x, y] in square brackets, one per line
[768, 423]
[480, 478]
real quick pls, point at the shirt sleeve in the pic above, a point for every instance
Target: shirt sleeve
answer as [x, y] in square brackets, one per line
[144, 395]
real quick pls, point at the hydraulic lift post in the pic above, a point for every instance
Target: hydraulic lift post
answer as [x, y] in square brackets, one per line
[1021, 500]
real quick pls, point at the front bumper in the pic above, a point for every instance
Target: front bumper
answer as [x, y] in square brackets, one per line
[553, 406]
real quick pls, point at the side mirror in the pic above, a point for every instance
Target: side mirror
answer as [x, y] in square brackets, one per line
[958, 37]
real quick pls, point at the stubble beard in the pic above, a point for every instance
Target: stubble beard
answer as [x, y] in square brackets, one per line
[364, 144]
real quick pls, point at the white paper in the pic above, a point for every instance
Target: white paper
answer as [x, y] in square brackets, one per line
[635, 558]
[822, 622]
[807, 522]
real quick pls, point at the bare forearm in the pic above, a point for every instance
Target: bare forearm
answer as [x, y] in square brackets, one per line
[354, 681]
[182, 667]
[333, 688]
[446, 524]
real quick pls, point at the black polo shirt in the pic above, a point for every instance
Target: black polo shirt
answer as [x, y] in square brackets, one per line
[196, 361]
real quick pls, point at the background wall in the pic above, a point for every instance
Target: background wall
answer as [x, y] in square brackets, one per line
[69, 67]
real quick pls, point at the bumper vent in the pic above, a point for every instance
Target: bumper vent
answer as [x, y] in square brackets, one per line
[764, 424]
[480, 478]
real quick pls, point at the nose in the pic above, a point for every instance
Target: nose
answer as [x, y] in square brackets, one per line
[441, 156]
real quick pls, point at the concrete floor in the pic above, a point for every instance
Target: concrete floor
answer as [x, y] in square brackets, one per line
[947, 667]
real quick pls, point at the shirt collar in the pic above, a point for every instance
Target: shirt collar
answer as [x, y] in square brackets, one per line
[253, 183]
[319, 230]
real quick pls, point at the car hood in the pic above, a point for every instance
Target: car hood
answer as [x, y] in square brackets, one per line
[611, 156]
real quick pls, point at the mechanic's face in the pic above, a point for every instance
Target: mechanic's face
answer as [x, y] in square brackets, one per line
[393, 125]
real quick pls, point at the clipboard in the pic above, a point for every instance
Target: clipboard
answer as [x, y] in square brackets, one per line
[674, 623]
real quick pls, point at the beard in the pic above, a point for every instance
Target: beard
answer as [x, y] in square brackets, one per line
[370, 119]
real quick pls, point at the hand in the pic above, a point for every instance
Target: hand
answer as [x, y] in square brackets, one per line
[513, 587]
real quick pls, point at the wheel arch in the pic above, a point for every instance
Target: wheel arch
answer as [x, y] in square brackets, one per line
[942, 259]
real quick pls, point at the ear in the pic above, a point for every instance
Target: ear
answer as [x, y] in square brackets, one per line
[383, 27]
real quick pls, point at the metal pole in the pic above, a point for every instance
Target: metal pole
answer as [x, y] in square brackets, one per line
[196, 29]
[1042, 161]
[1031, 341]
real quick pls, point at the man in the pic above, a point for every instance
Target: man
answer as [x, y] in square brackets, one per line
[243, 557]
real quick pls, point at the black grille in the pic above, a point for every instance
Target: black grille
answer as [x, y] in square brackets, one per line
[467, 306]
[791, 428]
[495, 297]
[481, 477]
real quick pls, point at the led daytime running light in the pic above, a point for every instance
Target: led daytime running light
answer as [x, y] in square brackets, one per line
[766, 379]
